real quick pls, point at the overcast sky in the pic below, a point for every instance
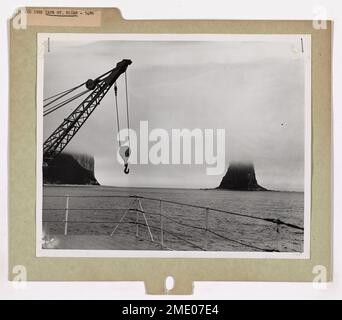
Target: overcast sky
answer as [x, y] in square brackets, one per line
[254, 90]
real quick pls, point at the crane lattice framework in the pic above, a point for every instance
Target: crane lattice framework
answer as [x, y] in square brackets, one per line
[99, 87]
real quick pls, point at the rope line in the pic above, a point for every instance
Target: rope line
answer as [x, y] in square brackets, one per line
[104, 74]
[63, 93]
[76, 221]
[278, 221]
[63, 103]
[74, 88]
[175, 221]
[201, 228]
[275, 221]
[269, 220]
[242, 243]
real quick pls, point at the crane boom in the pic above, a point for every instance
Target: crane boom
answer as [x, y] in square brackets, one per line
[60, 138]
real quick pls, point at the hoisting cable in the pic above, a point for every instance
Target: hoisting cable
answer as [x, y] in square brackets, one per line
[127, 112]
[128, 150]
[117, 112]
[63, 103]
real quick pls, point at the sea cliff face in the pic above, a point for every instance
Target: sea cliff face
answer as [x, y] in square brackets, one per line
[86, 161]
[240, 176]
[70, 168]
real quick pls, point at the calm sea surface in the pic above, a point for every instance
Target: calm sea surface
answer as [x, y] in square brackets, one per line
[99, 215]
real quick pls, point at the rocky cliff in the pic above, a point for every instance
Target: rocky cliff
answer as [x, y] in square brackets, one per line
[240, 176]
[85, 161]
[70, 168]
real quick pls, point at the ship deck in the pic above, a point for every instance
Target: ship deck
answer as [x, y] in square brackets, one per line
[101, 242]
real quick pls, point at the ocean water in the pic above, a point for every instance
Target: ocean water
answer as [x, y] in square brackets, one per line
[93, 210]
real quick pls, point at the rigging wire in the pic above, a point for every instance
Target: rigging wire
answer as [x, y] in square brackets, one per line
[63, 103]
[62, 94]
[65, 92]
[102, 75]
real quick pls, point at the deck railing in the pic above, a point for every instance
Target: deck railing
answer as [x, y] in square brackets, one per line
[136, 207]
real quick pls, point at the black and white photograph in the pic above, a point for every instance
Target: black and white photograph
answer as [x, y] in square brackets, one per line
[173, 145]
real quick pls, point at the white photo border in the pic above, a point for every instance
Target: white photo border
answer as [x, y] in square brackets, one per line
[41, 40]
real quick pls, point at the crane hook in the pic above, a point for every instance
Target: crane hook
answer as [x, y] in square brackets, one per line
[126, 170]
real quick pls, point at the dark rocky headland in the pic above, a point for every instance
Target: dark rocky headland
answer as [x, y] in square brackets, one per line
[70, 168]
[240, 176]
